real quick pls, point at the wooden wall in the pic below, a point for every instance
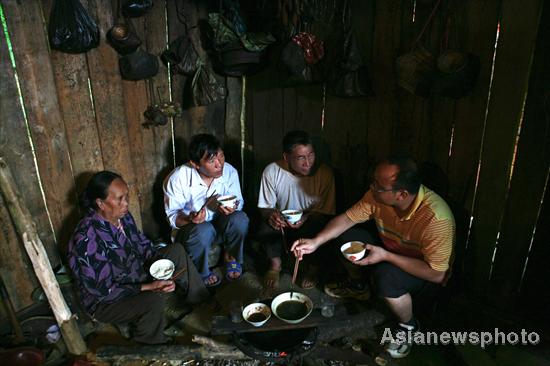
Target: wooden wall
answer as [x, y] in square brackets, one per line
[490, 148]
[81, 118]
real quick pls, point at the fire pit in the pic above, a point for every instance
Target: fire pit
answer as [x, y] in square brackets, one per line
[277, 346]
[281, 342]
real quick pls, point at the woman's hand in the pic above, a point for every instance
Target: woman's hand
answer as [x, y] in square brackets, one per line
[159, 286]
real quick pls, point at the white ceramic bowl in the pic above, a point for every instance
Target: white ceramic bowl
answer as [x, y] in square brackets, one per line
[353, 250]
[285, 297]
[227, 201]
[292, 216]
[162, 269]
[256, 314]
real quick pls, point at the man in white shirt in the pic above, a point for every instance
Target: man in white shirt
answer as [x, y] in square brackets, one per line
[295, 182]
[190, 193]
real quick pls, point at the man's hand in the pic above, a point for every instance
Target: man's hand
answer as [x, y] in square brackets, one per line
[276, 221]
[159, 286]
[198, 217]
[375, 255]
[298, 223]
[304, 246]
[224, 210]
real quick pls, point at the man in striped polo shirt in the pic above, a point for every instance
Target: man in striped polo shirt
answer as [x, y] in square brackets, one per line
[416, 229]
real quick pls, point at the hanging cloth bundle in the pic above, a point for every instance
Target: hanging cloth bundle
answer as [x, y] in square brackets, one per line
[71, 28]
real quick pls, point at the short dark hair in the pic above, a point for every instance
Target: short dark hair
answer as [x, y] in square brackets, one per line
[201, 144]
[408, 178]
[97, 187]
[293, 138]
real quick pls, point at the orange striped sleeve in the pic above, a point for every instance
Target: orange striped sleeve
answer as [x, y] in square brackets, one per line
[362, 210]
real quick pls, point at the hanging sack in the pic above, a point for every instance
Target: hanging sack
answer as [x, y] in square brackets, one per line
[136, 8]
[181, 55]
[205, 88]
[457, 74]
[416, 69]
[350, 77]
[123, 38]
[138, 65]
[71, 28]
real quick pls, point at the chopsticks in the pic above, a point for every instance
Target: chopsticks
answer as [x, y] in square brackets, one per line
[208, 200]
[284, 240]
[178, 273]
[296, 264]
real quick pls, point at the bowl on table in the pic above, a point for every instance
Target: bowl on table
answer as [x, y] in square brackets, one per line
[353, 250]
[292, 216]
[292, 307]
[163, 269]
[257, 314]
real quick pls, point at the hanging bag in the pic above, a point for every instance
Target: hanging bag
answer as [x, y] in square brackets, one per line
[205, 88]
[350, 76]
[122, 36]
[416, 69]
[71, 28]
[136, 8]
[138, 65]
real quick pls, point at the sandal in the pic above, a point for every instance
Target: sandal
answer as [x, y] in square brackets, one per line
[233, 267]
[311, 283]
[272, 275]
[210, 275]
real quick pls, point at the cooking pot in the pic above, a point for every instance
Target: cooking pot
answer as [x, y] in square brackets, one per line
[291, 307]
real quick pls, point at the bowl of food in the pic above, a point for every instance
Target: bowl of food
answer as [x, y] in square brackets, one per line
[163, 269]
[227, 201]
[292, 216]
[353, 250]
[257, 314]
[292, 307]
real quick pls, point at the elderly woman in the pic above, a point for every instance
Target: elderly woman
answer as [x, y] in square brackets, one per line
[108, 255]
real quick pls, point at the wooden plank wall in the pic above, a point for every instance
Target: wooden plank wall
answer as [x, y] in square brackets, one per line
[82, 117]
[470, 141]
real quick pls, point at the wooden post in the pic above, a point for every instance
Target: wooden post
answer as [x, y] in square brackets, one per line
[39, 258]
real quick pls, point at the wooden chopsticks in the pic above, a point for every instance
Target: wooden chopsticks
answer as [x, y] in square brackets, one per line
[178, 273]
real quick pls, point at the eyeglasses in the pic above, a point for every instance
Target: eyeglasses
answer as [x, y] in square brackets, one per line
[303, 158]
[376, 188]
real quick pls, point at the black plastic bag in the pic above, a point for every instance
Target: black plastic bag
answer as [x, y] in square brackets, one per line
[138, 65]
[181, 55]
[205, 88]
[350, 77]
[71, 28]
[136, 8]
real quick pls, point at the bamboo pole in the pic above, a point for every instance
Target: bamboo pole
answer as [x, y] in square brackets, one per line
[41, 264]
